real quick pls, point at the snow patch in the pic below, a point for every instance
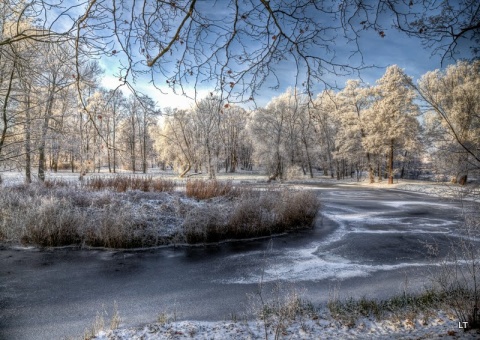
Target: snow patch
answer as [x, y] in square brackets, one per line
[438, 325]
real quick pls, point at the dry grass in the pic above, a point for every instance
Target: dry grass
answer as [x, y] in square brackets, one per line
[159, 185]
[56, 183]
[53, 223]
[254, 214]
[279, 308]
[63, 216]
[205, 189]
[124, 183]
[401, 307]
[59, 215]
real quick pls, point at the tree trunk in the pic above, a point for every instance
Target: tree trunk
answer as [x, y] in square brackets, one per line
[402, 173]
[371, 174]
[309, 162]
[5, 105]
[186, 170]
[390, 164]
[46, 120]
[144, 160]
[211, 168]
[114, 145]
[28, 144]
[379, 170]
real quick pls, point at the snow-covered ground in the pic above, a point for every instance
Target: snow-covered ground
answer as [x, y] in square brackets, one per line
[437, 189]
[441, 325]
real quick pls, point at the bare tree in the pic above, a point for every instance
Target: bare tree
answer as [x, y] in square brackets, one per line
[177, 141]
[206, 117]
[233, 120]
[326, 124]
[116, 103]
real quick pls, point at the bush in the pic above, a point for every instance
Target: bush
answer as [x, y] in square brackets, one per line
[55, 183]
[204, 224]
[297, 209]
[62, 216]
[116, 227]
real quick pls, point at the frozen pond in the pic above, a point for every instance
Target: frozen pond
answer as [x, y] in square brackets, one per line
[368, 242]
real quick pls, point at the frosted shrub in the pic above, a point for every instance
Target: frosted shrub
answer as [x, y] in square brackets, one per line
[116, 226]
[53, 223]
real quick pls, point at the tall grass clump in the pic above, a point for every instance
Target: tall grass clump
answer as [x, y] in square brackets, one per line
[279, 308]
[56, 183]
[63, 216]
[162, 185]
[31, 216]
[205, 189]
[55, 222]
[254, 214]
[117, 226]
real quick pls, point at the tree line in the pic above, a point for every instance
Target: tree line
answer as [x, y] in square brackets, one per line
[56, 116]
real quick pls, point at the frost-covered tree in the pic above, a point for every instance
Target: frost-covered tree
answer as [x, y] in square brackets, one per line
[453, 98]
[97, 106]
[141, 113]
[390, 123]
[177, 142]
[326, 125]
[206, 119]
[114, 113]
[352, 102]
[233, 121]
[276, 132]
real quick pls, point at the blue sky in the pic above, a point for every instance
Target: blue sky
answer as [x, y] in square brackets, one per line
[394, 48]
